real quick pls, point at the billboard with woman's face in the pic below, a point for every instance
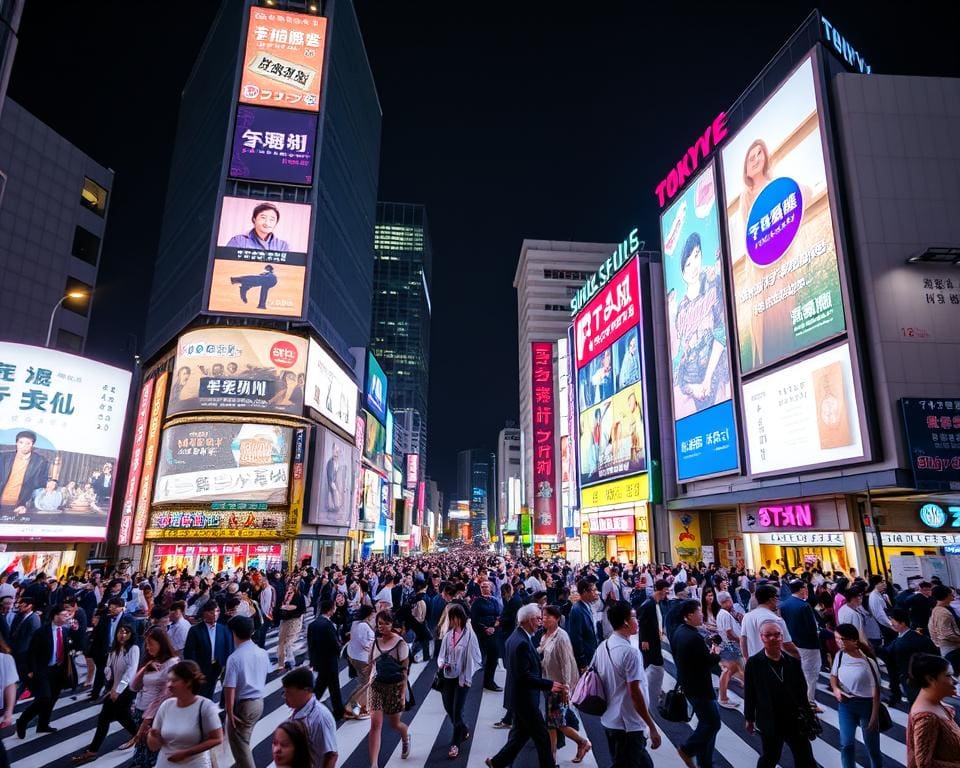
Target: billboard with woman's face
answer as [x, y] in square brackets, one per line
[783, 248]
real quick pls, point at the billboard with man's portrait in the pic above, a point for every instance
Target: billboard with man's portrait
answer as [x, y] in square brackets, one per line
[260, 261]
[334, 480]
[61, 422]
[238, 369]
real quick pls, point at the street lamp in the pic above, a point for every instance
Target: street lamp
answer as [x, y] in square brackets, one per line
[53, 312]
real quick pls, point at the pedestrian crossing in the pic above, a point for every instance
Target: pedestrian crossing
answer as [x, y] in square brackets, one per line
[75, 715]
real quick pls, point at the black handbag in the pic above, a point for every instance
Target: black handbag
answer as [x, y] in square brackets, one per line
[437, 683]
[675, 706]
[884, 721]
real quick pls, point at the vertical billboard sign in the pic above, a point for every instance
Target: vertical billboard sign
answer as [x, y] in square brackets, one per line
[150, 459]
[260, 260]
[701, 384]
[335, 480]
[283, 60]
[413, 470]
[779, 219]
[376, 389]
[421, 494]
[607, 352]
[273, 145]
[546, 521]
[358, 443]
[330, 390]
[61, 422]
[136, 463]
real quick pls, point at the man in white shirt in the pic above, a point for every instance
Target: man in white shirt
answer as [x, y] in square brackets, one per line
[626, 721]
[179, 626]
[768, 598]
[244, 689]
[850, 612]
[878, 605]
[321, 727]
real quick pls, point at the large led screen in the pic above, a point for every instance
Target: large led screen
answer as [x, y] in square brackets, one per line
[220, 462]
[334, 481]
[803, 415]
[238, 369]
[330, 390]
[374, 440]
[783, 248]
[609, 362]
[273, 145]
[701, 384]
[376, 389]
[283, 60]
[260, 262]
[61, 422]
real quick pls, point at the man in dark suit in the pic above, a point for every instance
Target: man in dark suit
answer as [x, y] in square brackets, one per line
[650, 620]
[49, 670]
[773, 685]
[209, 643]
[7, 616]
[101, 641]
[695, 674]
[323, 647]
[22, 629]
[21, 472]
[580, 624]
[484, 615]
[523, 693]
[898, 653]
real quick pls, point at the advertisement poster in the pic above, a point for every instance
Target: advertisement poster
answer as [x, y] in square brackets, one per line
[376, 389]
[334, 479]
[803, 415]
[142, 514]
[61, 421]
[374, 440]
[238, 369]
[283, 60]
[546, 521]
[136, 463]
[697, 326]
[330, 390]
[685, 537]
[786, 278]
[371, 495]
[216, 461]
[609, 360]
[273, 145]
[932, 429]
[260, 262]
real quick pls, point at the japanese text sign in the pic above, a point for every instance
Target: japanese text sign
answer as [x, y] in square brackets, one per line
[136, 462]
[273, 145]
[151, 447]
[546, 520]
[932, 429]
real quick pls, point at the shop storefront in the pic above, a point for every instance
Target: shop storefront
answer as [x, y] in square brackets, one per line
[615, 521]
[214, 558]
[919, 538]
[791, 535]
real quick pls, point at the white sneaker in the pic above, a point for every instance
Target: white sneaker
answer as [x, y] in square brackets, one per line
[728, 704]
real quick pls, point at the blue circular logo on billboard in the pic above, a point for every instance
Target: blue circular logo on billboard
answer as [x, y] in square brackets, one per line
[774, 221]
[933, 516]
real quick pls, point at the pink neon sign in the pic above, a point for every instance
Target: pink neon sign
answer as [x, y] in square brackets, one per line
[691, 160]
[787, 516]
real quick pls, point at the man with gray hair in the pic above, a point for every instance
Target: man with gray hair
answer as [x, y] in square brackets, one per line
[522, 693]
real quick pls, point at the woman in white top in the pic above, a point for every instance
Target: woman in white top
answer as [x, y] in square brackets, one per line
[150, 683]
[119, 671]
[855, 680]
[458, 659]
[358, 654]
[731, 658]
[186, 726]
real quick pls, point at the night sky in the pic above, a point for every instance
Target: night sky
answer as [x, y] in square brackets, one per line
[508, 121]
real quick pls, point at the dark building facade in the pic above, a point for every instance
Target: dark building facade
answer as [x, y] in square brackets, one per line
[476, 483]
[401, 313]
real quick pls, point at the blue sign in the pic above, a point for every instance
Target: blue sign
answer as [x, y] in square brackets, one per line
[933, 516]
[376, 389]
[706, 443]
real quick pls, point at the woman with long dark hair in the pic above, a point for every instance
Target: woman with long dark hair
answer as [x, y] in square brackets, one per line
[390, 659]
[187, 726]
[291, 745]
[458, 659]
[855, 681]
[150, 683]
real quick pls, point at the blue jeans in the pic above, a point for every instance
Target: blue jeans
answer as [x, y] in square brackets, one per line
[854, 712]
[701, 742]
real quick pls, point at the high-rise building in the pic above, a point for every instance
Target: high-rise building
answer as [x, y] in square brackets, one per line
[54, 215]
[476, 484]
[10, 13]
[400, 336]
[508, 478]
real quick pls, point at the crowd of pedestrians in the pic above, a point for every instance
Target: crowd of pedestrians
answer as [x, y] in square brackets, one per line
[180, 662]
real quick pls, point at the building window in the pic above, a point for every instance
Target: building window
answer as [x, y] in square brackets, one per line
[93, 197]
[565, 274]
[86, 246]
[80, 306]
[556, 307]
[69, 342]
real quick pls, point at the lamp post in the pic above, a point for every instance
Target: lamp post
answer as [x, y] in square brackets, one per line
[53, 312]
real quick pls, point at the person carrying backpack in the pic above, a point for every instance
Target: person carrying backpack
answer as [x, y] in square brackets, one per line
[627, 721]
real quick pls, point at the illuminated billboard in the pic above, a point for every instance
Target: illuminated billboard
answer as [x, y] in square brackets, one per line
[61, 422]
[273, 145]
[238, 369]
[136, 462]
[376, 389]
[283, 59]
[334, 480]
[220, 461]
[546, 518]
[374, 441]
[804, 415]
[701, 383]
[260, 262]
[609, 364]
[779, 220]
[413, 470]
[330, 390]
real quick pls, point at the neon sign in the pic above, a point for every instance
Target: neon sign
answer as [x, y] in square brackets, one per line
[843, 47]
[690, 162]
[787, 516]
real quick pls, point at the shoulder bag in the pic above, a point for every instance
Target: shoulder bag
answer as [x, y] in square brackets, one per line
[589, 695]
[884, 720]
[675, 706]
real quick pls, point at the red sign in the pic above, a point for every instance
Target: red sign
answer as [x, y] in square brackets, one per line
[610, 314]
[151, 447]
[283, 354]
[136, 463]
[691, 160]
[189, 550]
[545, 521]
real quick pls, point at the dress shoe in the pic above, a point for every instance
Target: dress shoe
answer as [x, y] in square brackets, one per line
[48, 729]
[21, 729]
[495, 688]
